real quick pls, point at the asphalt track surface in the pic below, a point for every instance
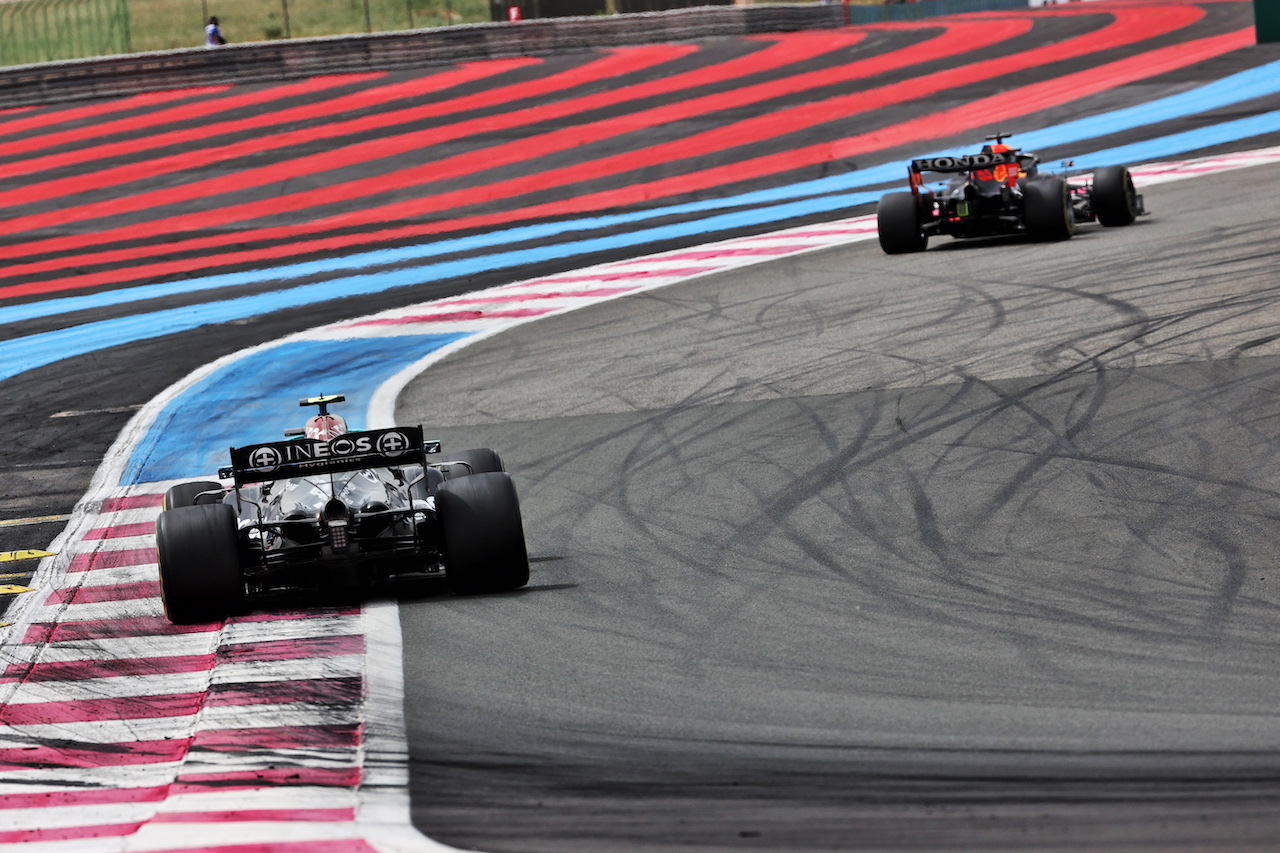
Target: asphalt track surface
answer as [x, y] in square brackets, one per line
[966, 550]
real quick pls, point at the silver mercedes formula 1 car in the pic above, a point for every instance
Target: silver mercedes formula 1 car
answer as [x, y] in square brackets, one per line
[333, 509]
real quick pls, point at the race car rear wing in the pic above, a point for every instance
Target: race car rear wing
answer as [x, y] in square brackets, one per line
[304, 457]
[965, 163]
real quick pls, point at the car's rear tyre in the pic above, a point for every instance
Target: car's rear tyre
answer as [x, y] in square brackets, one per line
[484, 548]
[898, 224]
[189, 494]
[480, 460]
[200, 579]
[1114, 198]
[1047, 212]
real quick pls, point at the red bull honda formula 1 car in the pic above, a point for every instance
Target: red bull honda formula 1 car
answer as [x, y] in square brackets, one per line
[334, 509]
[1000, 191]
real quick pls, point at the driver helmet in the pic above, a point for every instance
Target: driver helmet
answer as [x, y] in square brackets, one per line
[325, 427]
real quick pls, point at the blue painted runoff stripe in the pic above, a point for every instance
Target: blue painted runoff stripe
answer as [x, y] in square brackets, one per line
[1245, 85]
[255, 399]
[1167, 146]
[27, 353]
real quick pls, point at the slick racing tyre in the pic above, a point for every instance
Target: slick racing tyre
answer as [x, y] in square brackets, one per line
[200, 578]
[1048, 213]
[898, 224]
[481, 460]
[189, 494]
[484, 548]
[1114, 199]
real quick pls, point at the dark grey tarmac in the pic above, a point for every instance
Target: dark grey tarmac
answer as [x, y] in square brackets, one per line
[967, 550]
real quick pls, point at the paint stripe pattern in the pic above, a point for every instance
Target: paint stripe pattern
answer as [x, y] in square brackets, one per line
[120, 731]
[147, 189]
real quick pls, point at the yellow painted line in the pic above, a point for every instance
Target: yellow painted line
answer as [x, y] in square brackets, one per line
[30, 554]
[40, 519]
[14, 589]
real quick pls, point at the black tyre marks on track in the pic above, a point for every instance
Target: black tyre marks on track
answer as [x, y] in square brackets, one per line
[970, 550]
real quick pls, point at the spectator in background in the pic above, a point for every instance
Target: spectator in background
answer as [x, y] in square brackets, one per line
[212, 35]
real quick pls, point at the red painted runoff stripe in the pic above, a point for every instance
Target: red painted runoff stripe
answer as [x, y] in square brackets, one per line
[121, 531]
[782, 53]
[99, 629]
[453, 316]
[518, 297]
[184, 112]
[338, 736]
[135, 102]
[83, 670]
[289, 777]
[132, 502]
[337, 845]
[736, 252]
[86, 797]
[311, 647]
[790, 50]
[155, 626]
[69, 833]
[275, 815]
[196, 158]
[1130, 25]
[96, 755]
[116, 708]
[93, 561]
[105, 592]
[786, 51]
[623, 59]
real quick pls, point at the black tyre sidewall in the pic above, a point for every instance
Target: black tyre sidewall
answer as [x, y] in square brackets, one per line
[483, 534]
[1112, 196]
[1047, 211]
[898, 224]
[200, 577]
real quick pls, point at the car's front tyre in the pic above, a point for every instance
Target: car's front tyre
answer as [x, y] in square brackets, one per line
[1114, 198]
[480, 460]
